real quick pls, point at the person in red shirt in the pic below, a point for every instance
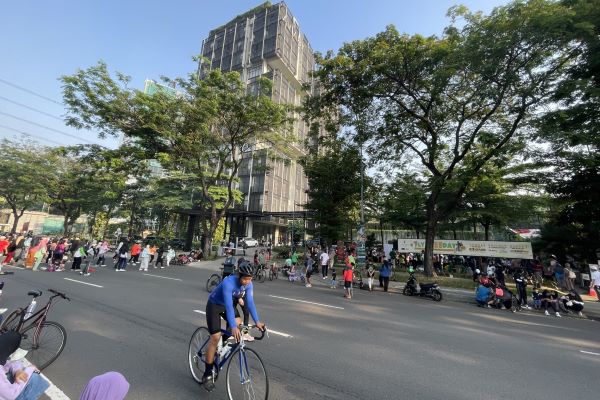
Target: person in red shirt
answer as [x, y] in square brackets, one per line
[348, 281]
[3, 244]
[136, 249]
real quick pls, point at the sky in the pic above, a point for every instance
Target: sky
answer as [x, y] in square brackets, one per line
[43, 40]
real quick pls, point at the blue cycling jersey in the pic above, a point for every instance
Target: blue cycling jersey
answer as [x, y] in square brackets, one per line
[229, 289]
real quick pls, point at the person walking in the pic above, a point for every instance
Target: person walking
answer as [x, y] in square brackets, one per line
[78, 256]
[159, 257]
[122, 263]
[569, 278]
[324, 259]
[50, 251]
[559, 272]
[370, 277]
[170, 255]
[102, 250]
[10, 252]
[57, 256]
[152, 253]
[333, 278]
[145, 258]
[595, 280]
[39, 252]
[521, 282]
[384, 275]
[348, 281]
[136, 249]
[309, 270]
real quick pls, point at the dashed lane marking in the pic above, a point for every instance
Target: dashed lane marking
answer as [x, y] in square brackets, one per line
[163, 277]
[83, 283]
[307, 302]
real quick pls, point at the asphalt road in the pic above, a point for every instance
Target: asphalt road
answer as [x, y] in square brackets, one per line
[376, 345]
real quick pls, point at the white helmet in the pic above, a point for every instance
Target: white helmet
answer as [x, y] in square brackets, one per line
[477, 271]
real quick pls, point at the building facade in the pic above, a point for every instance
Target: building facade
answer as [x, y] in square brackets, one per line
[267, 42]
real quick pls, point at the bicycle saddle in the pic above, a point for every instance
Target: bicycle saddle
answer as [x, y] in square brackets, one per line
[34, 293]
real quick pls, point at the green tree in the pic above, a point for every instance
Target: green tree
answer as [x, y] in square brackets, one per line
[23, 178]
[404, 203]
[454, 102]
[334, 188]
[205, 131]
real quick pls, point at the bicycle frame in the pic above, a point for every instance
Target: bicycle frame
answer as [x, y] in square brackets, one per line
[38, 318]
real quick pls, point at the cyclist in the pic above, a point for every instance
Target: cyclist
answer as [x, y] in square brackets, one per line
[222, 303]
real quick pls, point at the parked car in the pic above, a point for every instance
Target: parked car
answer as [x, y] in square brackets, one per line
[249, 242]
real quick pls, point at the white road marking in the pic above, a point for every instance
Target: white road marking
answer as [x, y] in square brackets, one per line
[164, 277]
[85, 283]
[307, 302]
[53, 392]
[589, 352]
[269, 329]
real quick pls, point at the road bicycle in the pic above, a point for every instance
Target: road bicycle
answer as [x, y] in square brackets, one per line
[260, 273]
[273, 272]
[215, 279]
[44, 340]
[246, 375]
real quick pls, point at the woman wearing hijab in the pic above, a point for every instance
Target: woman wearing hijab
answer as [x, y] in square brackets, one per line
[108, 386]
[16, 382]
[38, 253]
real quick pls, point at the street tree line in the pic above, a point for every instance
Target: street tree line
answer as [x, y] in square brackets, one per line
[494, 119]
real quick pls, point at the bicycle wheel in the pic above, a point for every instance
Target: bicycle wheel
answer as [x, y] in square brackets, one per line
[212, 282]
[261, 276]
[196, 352]
[271, 275]
[246, 376]
[45, 349]
[11, 323]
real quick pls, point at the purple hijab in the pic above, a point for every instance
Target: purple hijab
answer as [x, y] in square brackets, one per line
[108, 386]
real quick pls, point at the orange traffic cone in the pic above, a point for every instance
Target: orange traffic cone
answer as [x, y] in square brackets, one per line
[593, 293]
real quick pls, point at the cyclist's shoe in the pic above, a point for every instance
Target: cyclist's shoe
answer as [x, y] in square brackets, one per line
[248, 337]
[208, 381]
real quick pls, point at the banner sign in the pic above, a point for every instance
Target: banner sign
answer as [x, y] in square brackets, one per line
[470, 248]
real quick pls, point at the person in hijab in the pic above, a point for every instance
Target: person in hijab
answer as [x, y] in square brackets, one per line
[39, 252]
[16, 382]
[109, 386]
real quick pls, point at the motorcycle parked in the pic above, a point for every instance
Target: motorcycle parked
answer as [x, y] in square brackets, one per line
[413, 288]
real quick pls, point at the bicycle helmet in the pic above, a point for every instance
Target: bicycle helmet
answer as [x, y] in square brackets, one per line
[246, 269]
[486, 282]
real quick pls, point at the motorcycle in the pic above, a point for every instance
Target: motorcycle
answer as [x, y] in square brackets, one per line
[413, 288]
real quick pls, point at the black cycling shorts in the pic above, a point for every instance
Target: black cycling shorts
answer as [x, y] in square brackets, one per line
[347, 284]
[214, 314]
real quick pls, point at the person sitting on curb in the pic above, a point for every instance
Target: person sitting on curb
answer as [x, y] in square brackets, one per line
[550, 298]
[573, 302]
[111, 385]
[484, 296]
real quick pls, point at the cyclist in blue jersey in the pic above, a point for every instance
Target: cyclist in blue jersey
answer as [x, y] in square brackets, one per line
[222, 303]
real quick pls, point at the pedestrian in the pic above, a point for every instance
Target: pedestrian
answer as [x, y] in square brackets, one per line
[50, 251]
[294, 258]
[348, 281]
[370, 277]
[78, 256]
[57, 257]
[170, 255]
[152, 253]
[484, 296]
[569, 277]
[145, 258]
[309, 270]
[102, 250]
[136, 249]
[595, 280]
[500, 278]
[384, 275]
[159, 257]
[324, 259]
[10, 252]
[3, 245]
[559, 272]
[536, 295]
[109, 386]
[24, 244]
[573, 302]
[122, 263]
[333, 278]
[39, 252]
[521, 282]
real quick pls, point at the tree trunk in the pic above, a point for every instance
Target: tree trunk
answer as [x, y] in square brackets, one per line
[454, 233]
[105, 227]
[486, 228]
[66, 225]
[432, 221]
[418, 234]
[17, 216]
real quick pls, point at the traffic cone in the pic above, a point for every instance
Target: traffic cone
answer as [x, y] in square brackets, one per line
[593, 293]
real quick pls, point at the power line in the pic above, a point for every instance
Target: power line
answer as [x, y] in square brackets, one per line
[31, 108]
[30, 91]
[46, 127]
[31, 134]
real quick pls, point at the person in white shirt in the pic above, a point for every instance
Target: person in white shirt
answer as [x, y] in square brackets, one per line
[595, 283]
[324, 258]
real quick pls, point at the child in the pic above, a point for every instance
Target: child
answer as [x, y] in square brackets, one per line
[348, 281]
[370, 276]
[537, 299]
[333, 276]
[484, 296]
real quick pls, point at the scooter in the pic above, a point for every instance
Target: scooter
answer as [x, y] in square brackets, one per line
[413, 288]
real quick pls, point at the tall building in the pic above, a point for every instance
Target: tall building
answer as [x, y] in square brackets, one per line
[267, 42]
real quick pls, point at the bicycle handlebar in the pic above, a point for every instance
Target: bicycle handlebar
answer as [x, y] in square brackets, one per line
[57, 293]
[247, 329]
